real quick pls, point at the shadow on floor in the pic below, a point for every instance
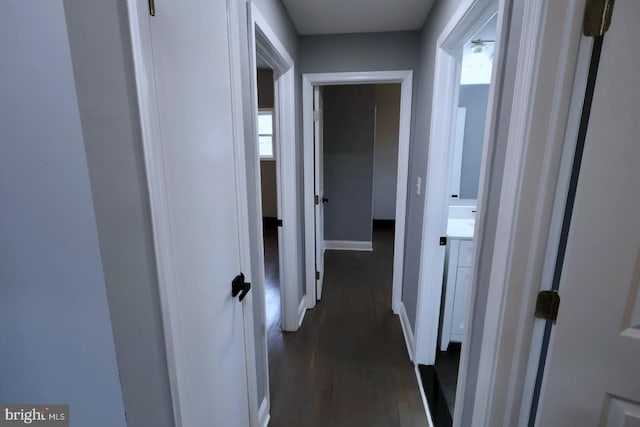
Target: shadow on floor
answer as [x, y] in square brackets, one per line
[439, 382]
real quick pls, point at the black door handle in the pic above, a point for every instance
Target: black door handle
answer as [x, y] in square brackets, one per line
[239, 286]
[325, 200]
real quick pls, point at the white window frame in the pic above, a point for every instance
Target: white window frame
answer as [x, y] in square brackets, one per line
[272, 157]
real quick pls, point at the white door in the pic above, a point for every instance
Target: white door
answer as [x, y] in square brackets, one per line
[592, 374]
[319, 188]
[191, 64]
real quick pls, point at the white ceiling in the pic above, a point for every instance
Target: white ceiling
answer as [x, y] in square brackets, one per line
[487, 32]
[357, 16]
[477, 70]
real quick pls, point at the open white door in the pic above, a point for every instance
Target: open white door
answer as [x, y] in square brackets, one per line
[592, 373]
[320, 200]
[190, 54]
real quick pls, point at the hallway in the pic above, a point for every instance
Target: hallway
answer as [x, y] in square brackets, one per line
[348, 363]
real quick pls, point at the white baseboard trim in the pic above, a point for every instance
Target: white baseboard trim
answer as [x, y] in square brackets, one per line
[409, 338]
[424, 397]
[302, 310]
[263, 413]
[348, 245]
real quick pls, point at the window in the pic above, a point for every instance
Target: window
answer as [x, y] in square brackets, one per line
[265, 134]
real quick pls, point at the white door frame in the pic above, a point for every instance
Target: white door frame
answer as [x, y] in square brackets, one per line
[263, 39]
[549, 82]
[150, 128]
[405, 78]
[470, 17]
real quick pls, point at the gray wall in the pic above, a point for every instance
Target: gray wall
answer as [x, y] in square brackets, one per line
[265, 88]
[436, 20]
[276, 15]
[267, 167]
[104, 78]
[278, 18]
[269, 189]
[385, 165]
[360, 52]
[57, 341]
[348, 114]
[474, 98]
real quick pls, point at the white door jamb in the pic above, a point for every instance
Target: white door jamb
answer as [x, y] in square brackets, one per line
[405, 78]
[550, 63]
[470, 16]
[263, 39]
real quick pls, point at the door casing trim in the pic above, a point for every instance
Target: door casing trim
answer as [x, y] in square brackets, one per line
[309, 80]
[548, 66]
[140, 33]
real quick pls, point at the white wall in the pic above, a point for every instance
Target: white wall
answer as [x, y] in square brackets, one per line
[385, 161]
[55, 330]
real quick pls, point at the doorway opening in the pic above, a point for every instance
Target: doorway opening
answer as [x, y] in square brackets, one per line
[267, 152]
[314, 190]
[313, 181]
[462, 87]
[273, 198]
[356, 139]
[471, 113]
[270, 185]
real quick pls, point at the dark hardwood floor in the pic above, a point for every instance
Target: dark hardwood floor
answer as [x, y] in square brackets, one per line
[447, 365]
[439, 382]
[348, 363]
[272, 280]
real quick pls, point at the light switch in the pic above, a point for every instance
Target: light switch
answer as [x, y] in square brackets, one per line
[418, 185]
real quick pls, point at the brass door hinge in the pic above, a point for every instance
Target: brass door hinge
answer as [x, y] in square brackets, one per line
[316, 199]
[597, 17]
[317, 275]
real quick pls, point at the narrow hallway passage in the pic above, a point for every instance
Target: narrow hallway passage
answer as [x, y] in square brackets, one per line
[348, 363]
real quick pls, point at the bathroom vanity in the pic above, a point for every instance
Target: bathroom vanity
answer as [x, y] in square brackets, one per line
[466, 152]
[456, 279]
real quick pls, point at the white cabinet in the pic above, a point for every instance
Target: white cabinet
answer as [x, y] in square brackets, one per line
[456, 289]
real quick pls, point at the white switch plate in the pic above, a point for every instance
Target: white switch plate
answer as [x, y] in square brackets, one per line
[418, 185]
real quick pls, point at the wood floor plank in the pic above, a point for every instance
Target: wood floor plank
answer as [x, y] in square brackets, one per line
[347, 366]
